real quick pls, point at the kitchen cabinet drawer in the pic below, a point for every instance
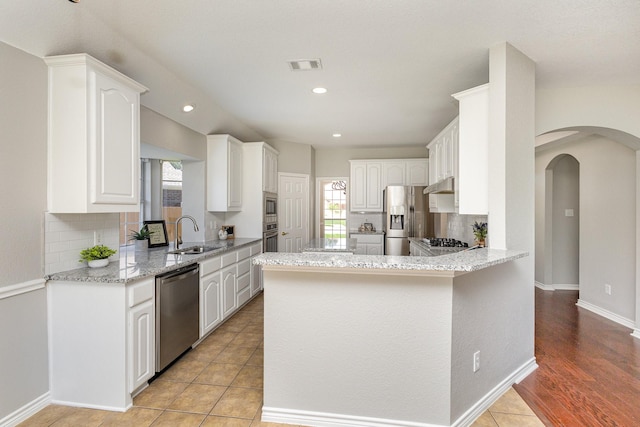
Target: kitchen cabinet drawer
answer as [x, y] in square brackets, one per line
[244, 253]
[243, 281]
[244, 294]
[141, 292]
[368, 238]
[244, 267]
[230, 258]
[210, 265]
[256, 249]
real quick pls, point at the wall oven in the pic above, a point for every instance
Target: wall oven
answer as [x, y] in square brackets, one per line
[270, 241]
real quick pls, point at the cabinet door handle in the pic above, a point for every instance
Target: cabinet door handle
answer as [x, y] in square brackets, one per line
[284, 233]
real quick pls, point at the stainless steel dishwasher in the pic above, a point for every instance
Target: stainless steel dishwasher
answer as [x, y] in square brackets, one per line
[177, 314]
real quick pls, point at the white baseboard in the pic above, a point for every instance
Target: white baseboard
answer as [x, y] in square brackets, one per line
[565, 287]
[557, 287]
[90, 406]
[636, 333]
[544, 287]
[607, 314]
[324, 419]
[26, 411]
[492, 397]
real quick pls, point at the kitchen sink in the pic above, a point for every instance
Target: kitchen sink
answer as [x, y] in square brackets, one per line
[194, 250]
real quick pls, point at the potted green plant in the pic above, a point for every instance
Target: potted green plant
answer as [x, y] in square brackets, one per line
[480, 232]
[140, 237]
[97, 256]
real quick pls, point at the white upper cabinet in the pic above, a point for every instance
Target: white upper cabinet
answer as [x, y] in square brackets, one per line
[370, 177]
[441, 153]
[473, 151]
[365, 185]
[224, 173]
[94, 137]
[393, 173]
[416, 172]
[269, 169]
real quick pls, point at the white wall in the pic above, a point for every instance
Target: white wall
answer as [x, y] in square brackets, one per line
[335, 161]
[23, 150]
[612, 107]
[607, 220]
[565, 237]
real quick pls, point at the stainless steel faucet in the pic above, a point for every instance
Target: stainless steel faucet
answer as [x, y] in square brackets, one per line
[178, 236]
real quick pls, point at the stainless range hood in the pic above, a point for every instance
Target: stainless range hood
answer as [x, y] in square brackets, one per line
[441, 187]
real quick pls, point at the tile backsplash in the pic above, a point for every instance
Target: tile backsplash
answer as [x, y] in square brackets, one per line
[460, 227]
[357, 219]
[67, 234]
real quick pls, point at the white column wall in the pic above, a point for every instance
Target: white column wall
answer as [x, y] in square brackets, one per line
[24, 374]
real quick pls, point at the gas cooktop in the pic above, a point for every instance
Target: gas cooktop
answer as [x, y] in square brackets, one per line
[443, 242]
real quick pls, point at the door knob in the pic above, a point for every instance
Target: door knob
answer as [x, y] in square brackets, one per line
[284, 233]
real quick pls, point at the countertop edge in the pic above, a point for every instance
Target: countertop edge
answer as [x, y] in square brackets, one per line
[460, 262]
[115, 273]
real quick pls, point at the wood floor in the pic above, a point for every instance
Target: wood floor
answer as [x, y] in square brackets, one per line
[589, 367]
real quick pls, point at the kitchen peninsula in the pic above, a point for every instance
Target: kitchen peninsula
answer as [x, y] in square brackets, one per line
[389, 340]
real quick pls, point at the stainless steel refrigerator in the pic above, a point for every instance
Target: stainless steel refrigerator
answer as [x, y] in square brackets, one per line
[406, 214]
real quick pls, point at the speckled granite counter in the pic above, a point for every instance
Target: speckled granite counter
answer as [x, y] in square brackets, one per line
[134, 265]
[464, 261]
[331, 245]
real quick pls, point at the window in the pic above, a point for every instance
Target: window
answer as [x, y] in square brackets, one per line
[333, 208]
[171, 195]
[155, 203]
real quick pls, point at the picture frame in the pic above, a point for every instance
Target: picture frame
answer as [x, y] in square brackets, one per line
[158, 230]
[230, 229]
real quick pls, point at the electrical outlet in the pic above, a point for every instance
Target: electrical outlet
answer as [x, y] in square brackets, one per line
[98, 237]
[215, 225]
[607, 289]
[476, 361]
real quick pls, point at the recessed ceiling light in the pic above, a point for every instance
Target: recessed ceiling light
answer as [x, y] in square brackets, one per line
[189, 108]
[319, 90]
[337, 135]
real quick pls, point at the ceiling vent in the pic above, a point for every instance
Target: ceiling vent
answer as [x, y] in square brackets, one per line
[305, 64]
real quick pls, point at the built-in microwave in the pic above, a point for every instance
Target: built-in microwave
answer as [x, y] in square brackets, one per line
[270, 204]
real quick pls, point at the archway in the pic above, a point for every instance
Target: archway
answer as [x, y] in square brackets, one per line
[562, 223]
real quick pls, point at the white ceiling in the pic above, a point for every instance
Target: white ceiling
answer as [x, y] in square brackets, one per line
[389, 65]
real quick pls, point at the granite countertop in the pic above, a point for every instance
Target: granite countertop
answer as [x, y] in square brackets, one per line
[464, 261]
[341, 245]
[133, 265]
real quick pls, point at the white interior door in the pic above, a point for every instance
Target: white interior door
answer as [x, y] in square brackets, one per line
[293, 212]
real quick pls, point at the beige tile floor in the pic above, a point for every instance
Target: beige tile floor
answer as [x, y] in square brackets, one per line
[219, 383]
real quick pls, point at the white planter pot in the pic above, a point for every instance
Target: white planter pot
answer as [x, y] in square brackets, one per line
[99, 263]
[142, 245]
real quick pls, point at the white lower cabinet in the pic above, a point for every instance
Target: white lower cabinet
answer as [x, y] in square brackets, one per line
[142, 354]
[369, 244]
[210, 302]
[227, 282]
[101, 341]
[256, 270]
[210, 295]
[229, 297]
